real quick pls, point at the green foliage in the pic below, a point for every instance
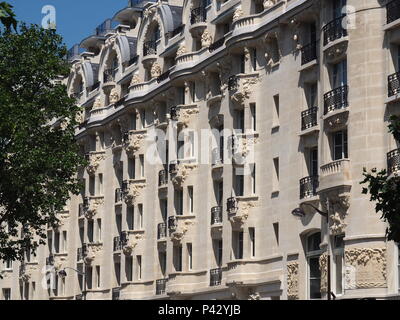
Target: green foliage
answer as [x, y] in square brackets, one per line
[38, 160]
[385, 192]
[394, 127]
[7, 16]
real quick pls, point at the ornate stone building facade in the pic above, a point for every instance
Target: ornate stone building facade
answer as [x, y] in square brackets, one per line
[308, 86]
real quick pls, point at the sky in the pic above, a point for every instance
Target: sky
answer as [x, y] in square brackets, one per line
[75, 19]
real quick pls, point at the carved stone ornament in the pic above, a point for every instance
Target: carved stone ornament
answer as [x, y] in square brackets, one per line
[243, 211]
[246, 86]
[335, 52]
[79, 118]
[238, 13]
[293, 280]
[181, 49]
[181, 229]
[93, 250]
[135, 80]
[254, 296]
[92, 209]
[182, 174]
[97, 103]
[94, 162]
[365, 268]
[114, 96]
[206, 39]
[269, 3]
[323, 267]
[155, 70]
[134, 143]
[185, 115]
[134, 191]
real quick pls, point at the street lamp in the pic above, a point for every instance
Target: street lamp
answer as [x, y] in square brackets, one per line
[299, 212]
[62, 273]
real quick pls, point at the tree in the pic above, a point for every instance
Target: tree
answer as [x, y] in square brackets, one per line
[39, 157]
[385, 190]
[7, 16]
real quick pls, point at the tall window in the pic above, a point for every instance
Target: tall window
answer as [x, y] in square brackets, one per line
[130, 217]
[141, 159]
[65, 243]
[254, 58]
[140, 217]
[338, 259]
[314, 273]
[252, 236]
[128, 268]
[131, 168]
[240, 120]
[90, 231]
[190, 256]
[139, 267]
[340, 150]
[98, 279]
[179, 202]
[7, 294]
[253, 117]
[340, 74]
[313, 162]
[312, 95]
[98, 230]
[239, 184]
[237, 244]
[190, 196]
[178, 258]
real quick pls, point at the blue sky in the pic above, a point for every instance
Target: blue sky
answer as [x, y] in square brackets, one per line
[76, 19]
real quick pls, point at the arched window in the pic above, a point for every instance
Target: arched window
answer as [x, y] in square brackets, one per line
[314, 274]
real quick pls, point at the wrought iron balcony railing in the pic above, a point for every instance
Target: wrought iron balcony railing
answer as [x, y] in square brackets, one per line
[109, 75]
[393, 161]
[217, 44]
[161, 231]
[233, 83]
[198, 15]
[162, 178]
[150, 47]
[174, 113]
[392, 11]
[117, 245]
[173, 167]
[308, 187]
[215, 277]
[125, 185]
[309, 118]
[118, 195]
[163, 77]
[115, 293]
[231, 205]
[309, 53]
[172, 223]
[216, 215]
[161, 286]
[334, 30]
[394, 84]
[336, 99]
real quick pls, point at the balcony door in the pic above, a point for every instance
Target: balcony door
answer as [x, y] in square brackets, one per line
[340, 74]
[340, 147]
[313, 162]
[338, 8]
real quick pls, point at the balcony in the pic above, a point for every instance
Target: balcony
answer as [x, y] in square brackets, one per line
[180, 172]
[134, 140]
[109, 76]
[117, 244]
[172, 223]
[238, 208]
[183, 114]
[163, 77]
[150, 48]
[394, 84]
[308, 53]
[94, 160]
[216, 45]
[392, 11]
[393, 161]
[91, 205]
[161, 286]
[215, 277]
[179, 225]
[335, 175]
[81, 253]
[308, 187]
[132, 189]
[161, 231]
[309, 119]
[198, 21]
[163, 178]
[231, 205]
[118, 195]
[336, 99]
[216, 215]
[334, 30]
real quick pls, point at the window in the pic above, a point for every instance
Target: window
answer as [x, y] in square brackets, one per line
[178, 258]
[275, 119]
[253, 117]
[117, 268]
[132, 118]
[240, 120]
[141, 159]
[130, 218]
[179, 202]
[340, 74]
[140, 217]
[314, 273]
[276, 232]
[239, 184]
[8, 264]
[340, 150]
[253, 177]
[312, 96]
[33, 292]
[7, 294]
[89, 277]
[338, 260]
[65, 243]
[131, 168]
[254, 56]
[26, 290]
[91, 185]
[98, 279]
[142, 119]
[275, 184]
[90, 231]
[57, 242]
[98, 230]
[313, 162]
[129, 268]
[190, 196]
[242, 64]
[220, 193]
[193, 91]
[190, 256]
[163, 261]
[237, 244]
[252, 235]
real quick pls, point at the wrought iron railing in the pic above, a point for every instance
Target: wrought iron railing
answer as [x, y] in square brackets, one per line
[308, 187]
[392, 11]
[109, 75]
[336, 99]
[394, 84]
[309, 118]
[198, 15]
[161, 286]
[176, 31]
[231, 205]
[309, 53]
[174, 113]
[334, 30]
[216, 215]
[233, 83]
[161, 231]
[117, 246]
[215, 277]
[172, 223]
[150, 47]
[118, 195]
[393, 161]
[217, 44]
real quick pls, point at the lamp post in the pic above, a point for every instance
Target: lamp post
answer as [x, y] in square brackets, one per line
[299, 212]
[63, 273]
